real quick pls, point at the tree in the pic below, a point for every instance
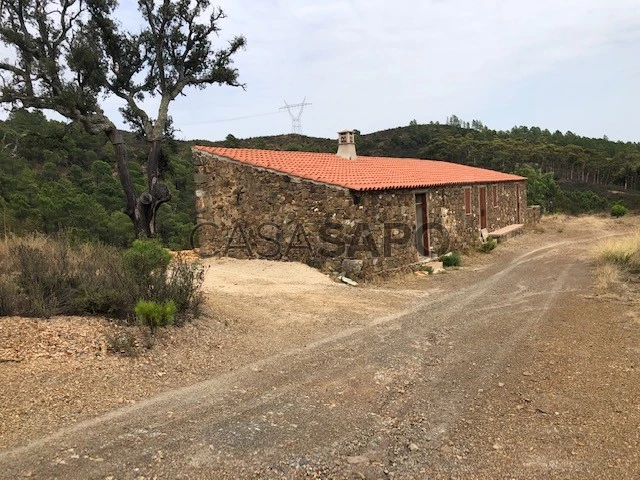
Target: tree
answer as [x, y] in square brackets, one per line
[477, 125]
[70, 53]
[541, 187]
[454, 121]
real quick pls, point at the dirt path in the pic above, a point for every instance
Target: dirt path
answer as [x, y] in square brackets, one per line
[507, 369]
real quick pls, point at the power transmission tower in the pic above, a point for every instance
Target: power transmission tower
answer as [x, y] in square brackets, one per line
[295, 112]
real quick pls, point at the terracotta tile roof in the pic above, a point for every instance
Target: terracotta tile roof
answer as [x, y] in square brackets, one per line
[364, 173]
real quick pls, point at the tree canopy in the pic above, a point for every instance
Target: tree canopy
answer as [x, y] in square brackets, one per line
[61, 178]
[69, 54]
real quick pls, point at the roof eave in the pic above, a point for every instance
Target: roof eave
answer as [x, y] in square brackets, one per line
[433, 185]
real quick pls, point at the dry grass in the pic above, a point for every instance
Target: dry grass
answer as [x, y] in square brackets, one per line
[618, 268]
[585, 224]
[609, 278]
[623, 252]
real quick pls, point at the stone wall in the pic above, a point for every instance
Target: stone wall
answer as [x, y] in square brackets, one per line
[261, 214]
[248, 212]
[534, 215]
[446, 207]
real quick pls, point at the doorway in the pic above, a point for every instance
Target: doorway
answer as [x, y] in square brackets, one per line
[482, 191]
[517, 203]
[422, 222]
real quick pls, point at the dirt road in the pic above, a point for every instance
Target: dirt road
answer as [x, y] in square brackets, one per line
[510, 370]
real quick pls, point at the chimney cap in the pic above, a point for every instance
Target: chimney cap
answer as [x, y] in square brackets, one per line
[346, 145]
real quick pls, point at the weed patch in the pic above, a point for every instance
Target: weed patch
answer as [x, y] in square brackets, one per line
[488, 245]
[623, 252]
[453, 259]
[122, 343]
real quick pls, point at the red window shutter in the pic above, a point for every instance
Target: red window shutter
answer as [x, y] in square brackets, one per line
[467, 201]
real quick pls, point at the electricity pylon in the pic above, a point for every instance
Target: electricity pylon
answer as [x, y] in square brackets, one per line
[295, 112]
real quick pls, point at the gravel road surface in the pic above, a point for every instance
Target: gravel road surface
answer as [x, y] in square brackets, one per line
[516, 371]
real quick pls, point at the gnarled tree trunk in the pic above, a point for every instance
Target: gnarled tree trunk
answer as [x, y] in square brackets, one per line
[151, 201]
[142, 210]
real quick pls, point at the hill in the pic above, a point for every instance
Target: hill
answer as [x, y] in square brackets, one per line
[571, 158]
[55, 177]
[593, 173]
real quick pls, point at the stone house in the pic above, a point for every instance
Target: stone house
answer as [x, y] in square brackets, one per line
[347, 212]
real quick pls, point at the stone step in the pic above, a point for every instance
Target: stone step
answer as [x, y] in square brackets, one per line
[504, 233]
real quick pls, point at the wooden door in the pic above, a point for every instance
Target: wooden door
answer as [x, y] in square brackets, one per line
[482, 191]
[517, 203]
[422, 222]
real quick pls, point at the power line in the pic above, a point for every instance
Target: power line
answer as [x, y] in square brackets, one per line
[232, 119]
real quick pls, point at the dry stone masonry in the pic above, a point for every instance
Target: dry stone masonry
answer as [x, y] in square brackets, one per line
[252, 212]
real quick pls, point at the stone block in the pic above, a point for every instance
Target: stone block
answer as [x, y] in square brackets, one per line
[351, 267]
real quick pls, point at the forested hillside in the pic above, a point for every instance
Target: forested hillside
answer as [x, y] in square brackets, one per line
[55, 177]
[593, 161]
[592, 173]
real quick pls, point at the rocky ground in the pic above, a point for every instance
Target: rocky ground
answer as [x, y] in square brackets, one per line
[60, 371]
[513, 366]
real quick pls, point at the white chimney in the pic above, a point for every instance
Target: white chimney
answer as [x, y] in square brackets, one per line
[347, 145]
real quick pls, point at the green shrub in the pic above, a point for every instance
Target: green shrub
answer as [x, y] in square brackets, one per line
[146, 263]
[488, 245]
[451, 260]
[618, 210]
[146, 258]
[153, 314]
[158, 278]
[578, 202]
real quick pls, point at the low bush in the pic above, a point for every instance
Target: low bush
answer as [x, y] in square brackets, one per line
[183, 285]
[488, 245]
[453, 259]
[123, 343]
[104, 286]
[8, 294]
[146, 263]
[44, 276]
[154, 315]
[618, 210]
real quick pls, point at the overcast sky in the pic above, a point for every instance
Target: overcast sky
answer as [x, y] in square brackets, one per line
[372, 65]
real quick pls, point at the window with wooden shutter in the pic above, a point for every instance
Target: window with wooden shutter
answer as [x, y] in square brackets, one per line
[467, 200]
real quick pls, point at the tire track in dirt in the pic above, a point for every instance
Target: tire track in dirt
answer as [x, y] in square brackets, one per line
[191, 394]
[219, 394]
[499, 354]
